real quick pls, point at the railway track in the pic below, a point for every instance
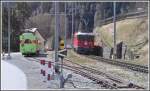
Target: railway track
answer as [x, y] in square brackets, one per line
[105, 80]
[94, 71]
[139, 68]
[102, 82]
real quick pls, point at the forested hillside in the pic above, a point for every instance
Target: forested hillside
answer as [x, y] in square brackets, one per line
[36, 14]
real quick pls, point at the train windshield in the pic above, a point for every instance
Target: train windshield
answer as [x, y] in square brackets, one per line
[87, 37]
[28, 41]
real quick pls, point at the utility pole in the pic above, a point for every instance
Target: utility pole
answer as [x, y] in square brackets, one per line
[75, 8]
[75, 24]
[72, 24]
[65, 40]
[57, 29]
[8, 6]
[114, 21]
[57, 67]
[56, 37]
[42, 7]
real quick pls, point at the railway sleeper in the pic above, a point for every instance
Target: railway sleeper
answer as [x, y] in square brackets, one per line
[134, 67]
[129, 66]
[102, 82]
[131, 85]
[105, 83]
[108, 85]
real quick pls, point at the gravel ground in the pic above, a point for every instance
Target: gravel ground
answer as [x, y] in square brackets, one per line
[34, 80]
[138, 78]
[80, 82]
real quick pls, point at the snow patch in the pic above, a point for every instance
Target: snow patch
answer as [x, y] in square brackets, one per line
[12, 78]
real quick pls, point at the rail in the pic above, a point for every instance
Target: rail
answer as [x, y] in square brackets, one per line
[107, 80]
[111, 79]
[134, 67]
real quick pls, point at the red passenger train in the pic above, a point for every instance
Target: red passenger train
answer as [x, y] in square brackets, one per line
[83, 42]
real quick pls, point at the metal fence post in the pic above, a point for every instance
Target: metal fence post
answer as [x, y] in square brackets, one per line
[114, 21]
[65, 39]
[8, 6]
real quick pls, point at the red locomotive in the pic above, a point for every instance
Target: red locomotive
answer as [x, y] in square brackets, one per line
[83, 42]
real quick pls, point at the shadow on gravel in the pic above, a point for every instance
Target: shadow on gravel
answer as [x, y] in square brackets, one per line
[39, 55]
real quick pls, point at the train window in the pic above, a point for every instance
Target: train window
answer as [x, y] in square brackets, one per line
[27, 41]
[61, 44]
[34, 41]
[87, 37]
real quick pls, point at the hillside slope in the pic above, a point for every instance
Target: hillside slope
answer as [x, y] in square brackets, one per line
[45, 23]
[133, 32]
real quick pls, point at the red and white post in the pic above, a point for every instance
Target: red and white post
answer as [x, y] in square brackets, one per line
[50, 73]
[43, 70]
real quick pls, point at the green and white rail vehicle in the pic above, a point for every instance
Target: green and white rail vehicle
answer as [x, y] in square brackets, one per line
[29, 44]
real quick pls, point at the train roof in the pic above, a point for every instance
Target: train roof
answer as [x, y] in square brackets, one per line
[81, 33]
[26, 34]
[31, 30]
